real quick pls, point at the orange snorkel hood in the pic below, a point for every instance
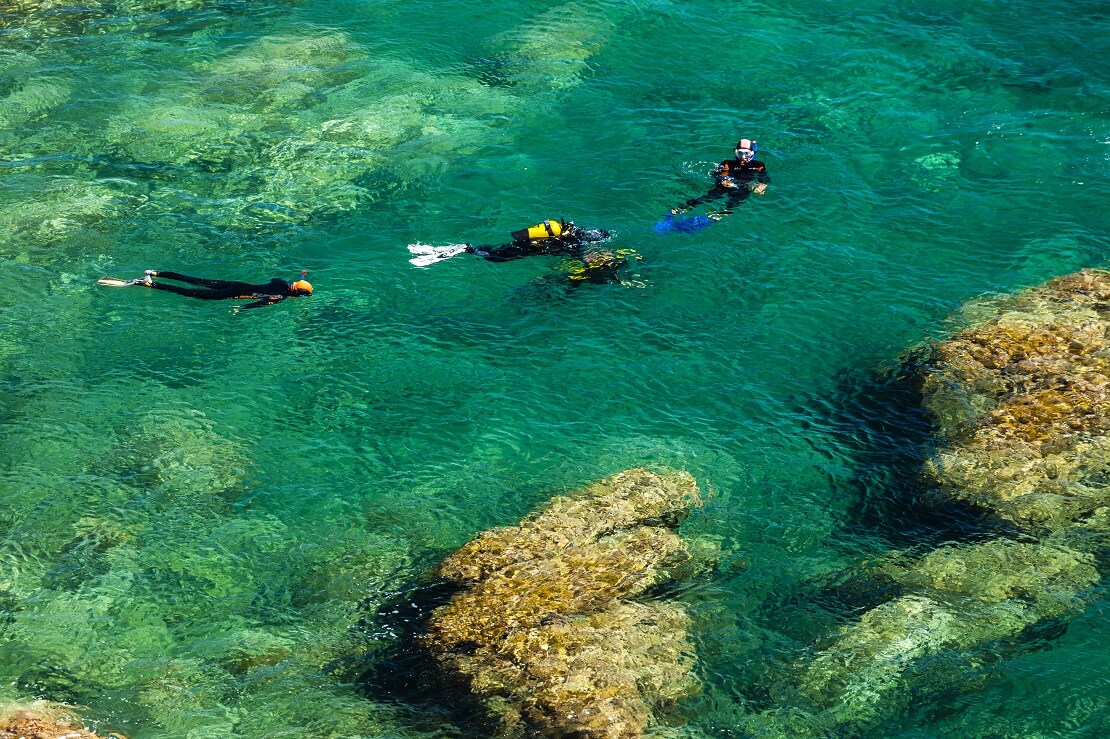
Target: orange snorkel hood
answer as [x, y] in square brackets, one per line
[301, 284]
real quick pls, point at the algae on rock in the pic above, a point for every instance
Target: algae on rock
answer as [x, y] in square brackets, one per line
[42, 720]
[1020, 399]
[546, 632]
[959, 598]
[1023, 401]
[553, 49]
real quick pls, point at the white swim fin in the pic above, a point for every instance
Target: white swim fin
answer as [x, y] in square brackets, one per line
[437, 253]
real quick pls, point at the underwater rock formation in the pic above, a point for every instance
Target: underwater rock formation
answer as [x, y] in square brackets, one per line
[959, 598]
[42, 720]
[39, 214]
[546, 633]
[293, 127]
[33, 20]
[1023, 401]
[551, 51]
[181, 455]
[1020, 399]
[25, 91]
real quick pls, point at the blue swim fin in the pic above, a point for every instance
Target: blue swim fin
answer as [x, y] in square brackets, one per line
[682, 224]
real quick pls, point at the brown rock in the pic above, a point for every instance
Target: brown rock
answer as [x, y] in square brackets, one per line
[43, 720]
[546, 634]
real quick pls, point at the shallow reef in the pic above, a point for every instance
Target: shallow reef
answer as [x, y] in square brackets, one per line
[135, 572]
[26, 92]
[40, 216]
[32, 20]
[552, 50]
[294, 127]
[1022, 399]
[180, 456]
[291, 127]
[958, 599]
[1019, 396]
[547, 633]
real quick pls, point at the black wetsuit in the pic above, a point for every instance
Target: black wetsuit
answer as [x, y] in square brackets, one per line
[569, 244]
[266, 293]
[735, 180]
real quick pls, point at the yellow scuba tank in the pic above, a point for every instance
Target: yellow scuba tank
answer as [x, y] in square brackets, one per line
[548, 229]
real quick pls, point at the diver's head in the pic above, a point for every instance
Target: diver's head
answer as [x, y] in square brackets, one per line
[300, 287]
[746, 149]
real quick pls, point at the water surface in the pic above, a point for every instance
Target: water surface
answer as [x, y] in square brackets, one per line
[197, 505]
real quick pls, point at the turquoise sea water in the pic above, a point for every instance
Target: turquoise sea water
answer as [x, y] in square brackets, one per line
[197, 506]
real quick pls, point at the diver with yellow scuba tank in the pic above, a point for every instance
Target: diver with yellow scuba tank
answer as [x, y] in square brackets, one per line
[551, 237]
[585, 262]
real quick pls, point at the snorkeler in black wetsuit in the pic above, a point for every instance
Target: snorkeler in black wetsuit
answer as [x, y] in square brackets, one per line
[268, 293]
[736, 179]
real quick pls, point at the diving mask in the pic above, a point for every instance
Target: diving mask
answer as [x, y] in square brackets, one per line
[746, 149]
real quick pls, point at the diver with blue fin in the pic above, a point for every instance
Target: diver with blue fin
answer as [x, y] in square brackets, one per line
[734, 179]
[268, 293]
[551, 237]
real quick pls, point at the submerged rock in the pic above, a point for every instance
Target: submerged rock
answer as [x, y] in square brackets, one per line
[551, 51]
[180, 454]
[293, 127]
[42, 720]
[40, 214]
[936, 172]
[546, 634]
[959, 599]
[1022, 400]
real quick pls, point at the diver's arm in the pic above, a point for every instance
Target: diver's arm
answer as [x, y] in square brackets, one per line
[763, 178]
[263, 300]
[723, 177]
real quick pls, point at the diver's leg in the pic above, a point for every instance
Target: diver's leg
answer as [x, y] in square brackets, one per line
[716, 193]
[231, 285]
[503, 253]
[735, 197]
[192, 292]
